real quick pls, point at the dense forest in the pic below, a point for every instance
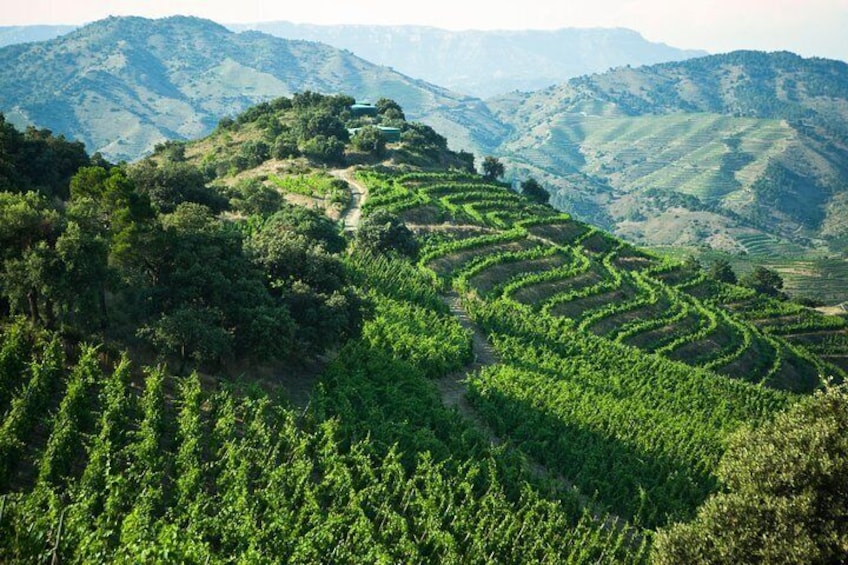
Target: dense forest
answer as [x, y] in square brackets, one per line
[487, 379]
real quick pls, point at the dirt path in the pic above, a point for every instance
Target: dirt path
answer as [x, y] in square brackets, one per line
[300, 383]
[358, 195]
[837, 310]
[452, 386]
[452, 389]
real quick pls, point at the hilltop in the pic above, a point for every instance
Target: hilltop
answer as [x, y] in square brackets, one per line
[738, 156]
[122, 85]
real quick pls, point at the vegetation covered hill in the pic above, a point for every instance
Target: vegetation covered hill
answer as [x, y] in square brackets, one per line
[488, 380]
[486, 63]
[122, 85]
[720, 151]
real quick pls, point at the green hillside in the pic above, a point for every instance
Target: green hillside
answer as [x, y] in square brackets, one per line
[122, 85]
[709, 152]
[193, 369]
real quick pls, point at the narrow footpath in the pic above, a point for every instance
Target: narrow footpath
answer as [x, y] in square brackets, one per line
[452, 388]
[358, 193]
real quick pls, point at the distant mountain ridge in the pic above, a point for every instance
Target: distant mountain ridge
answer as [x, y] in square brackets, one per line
[121, 85]
[11, 35]
[745, 152]
[486, 63]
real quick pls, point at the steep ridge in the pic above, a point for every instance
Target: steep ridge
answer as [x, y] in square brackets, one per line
[122, 85]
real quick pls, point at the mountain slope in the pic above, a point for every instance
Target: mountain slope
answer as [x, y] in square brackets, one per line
[598, 386]
[486, 63]
[703, 151]
[122, 85]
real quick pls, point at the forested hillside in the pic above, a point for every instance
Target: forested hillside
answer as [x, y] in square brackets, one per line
[197, 364]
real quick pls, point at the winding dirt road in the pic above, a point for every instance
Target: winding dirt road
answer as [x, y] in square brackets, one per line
[358, 194]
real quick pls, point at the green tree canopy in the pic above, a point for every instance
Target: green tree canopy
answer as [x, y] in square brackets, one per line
[324, 149]
[37, 160]
[390, 110]
[721, 271]
[493, 169]
[172, 183]
[309, 223]
[764, 280]
[311, 282]
[370, 140]
[532, 189]
[254, 197]
[785, 498]
[422, 139]
[383, 232]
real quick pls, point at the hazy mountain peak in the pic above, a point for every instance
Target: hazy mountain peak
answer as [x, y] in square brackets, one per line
[486, 63]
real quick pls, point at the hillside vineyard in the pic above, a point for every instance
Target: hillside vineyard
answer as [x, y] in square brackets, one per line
[298, 341]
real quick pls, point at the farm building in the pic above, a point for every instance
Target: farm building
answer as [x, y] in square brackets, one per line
[391, 135]
[363, 109]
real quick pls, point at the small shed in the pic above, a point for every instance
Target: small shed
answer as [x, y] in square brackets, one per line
[391, 135]
[363, 109]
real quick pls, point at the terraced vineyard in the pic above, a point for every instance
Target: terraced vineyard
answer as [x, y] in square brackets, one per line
[612, 381]
[824, 336]
[104, 462]
[817, 275]
[561, 268]
[706, 155]
[620, 370]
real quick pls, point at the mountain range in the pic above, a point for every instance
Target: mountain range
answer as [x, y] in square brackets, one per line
[487, 63]
[680, 153]
[490, 62]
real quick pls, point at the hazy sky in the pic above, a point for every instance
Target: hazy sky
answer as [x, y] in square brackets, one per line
[808, 27]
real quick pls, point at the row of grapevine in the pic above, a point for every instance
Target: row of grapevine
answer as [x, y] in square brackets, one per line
[641, 433]
[29, 406]
[694, 327]
[246, 479]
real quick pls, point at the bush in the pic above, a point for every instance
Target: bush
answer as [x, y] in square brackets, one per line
[383, 232]
[255, 197]
[285, 147]
[786, 498]
[252, 154]
[370, 140]
[324, 149]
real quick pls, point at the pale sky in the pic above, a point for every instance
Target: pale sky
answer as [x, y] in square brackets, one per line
[807, 27]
